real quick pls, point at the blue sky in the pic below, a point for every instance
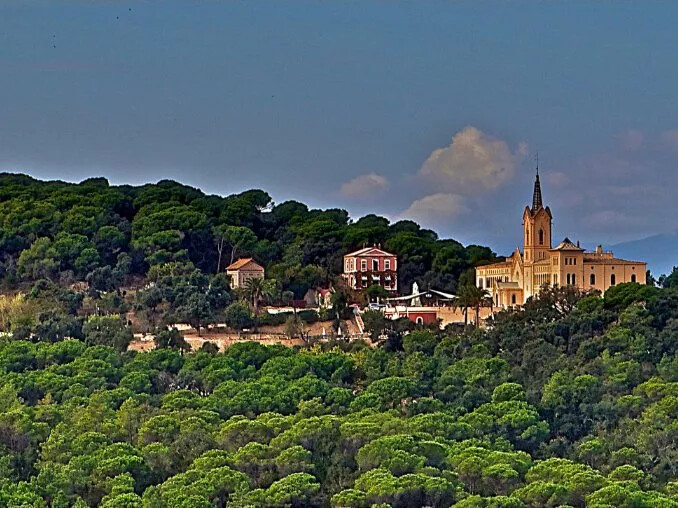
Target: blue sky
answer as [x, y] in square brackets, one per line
[426, 110]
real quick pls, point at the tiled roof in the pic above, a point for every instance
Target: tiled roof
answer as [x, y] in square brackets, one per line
[365, 250]
[237, 265]
[611, 261]
[567, 244]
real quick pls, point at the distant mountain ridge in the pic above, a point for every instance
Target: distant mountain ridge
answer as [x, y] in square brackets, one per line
[659, 251]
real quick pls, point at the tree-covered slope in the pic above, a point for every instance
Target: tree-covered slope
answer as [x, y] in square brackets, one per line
[105, 234]
[570, 402]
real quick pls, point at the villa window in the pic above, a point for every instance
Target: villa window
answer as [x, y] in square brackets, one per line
[387, 264]
[363, 265]
[593, 279]
[375, 265]
[633, 277]
[613, 280]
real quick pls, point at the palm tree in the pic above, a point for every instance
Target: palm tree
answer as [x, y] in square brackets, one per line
[257, 289]
[473, 297]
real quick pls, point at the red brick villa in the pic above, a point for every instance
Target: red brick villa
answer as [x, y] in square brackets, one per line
[371, 266]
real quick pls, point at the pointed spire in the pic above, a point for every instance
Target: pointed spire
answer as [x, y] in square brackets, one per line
[536, 195]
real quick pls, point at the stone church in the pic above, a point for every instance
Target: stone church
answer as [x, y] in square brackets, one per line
[520, 276]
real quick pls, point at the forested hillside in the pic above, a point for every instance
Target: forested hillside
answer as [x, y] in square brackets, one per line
[106, 234]
[571, 402]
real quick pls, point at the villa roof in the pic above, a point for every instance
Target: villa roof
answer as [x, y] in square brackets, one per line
[567, 244]
[240, 263]
[374, 251]
[610, 261]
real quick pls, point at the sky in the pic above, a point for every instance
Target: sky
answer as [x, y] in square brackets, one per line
[431, 111]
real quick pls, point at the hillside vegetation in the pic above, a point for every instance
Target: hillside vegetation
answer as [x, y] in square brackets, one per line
[571, 402]
[103, 234]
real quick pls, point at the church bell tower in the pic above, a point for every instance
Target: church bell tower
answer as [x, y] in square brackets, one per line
[536, 234]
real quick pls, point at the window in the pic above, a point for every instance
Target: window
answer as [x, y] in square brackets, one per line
[387, 264]
[541, 237]
[574, 279]
[527, 237]
[613, 280]
[375, 265]
[352, 264]
[593, 279]
[420, 320]
[363, 265]
[568, 278]
[513, 299]
[633, 277]
[481, 282]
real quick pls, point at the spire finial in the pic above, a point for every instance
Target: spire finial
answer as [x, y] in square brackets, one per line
[536, 195]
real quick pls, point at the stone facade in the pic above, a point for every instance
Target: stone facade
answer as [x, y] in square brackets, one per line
[523, 274]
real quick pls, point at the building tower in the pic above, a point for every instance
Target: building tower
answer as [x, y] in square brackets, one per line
[536, 236]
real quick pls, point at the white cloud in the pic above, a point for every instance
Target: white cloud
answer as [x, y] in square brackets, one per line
[473, 162]
[431, 210]
[364, 185]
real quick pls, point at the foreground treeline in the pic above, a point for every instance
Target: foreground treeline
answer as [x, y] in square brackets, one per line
[105, 235]
[571, 402]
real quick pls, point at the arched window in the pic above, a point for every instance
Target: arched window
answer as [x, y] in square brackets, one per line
[613, 280]
[541, 237]
[574, 279]
[420, 320]
[633, 277]
[513, 299]
[568, 279]
[593, 279]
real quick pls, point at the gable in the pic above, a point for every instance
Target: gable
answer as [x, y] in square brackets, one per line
[371, 252]
[245, 265]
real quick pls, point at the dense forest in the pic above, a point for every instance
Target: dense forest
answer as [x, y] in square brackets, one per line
[572, 401]
[106, 234]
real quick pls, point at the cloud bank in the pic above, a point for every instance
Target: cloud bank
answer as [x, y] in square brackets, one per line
[364, 186]
[473, 163]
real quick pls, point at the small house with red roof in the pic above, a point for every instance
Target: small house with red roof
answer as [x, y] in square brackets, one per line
[242, 270]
